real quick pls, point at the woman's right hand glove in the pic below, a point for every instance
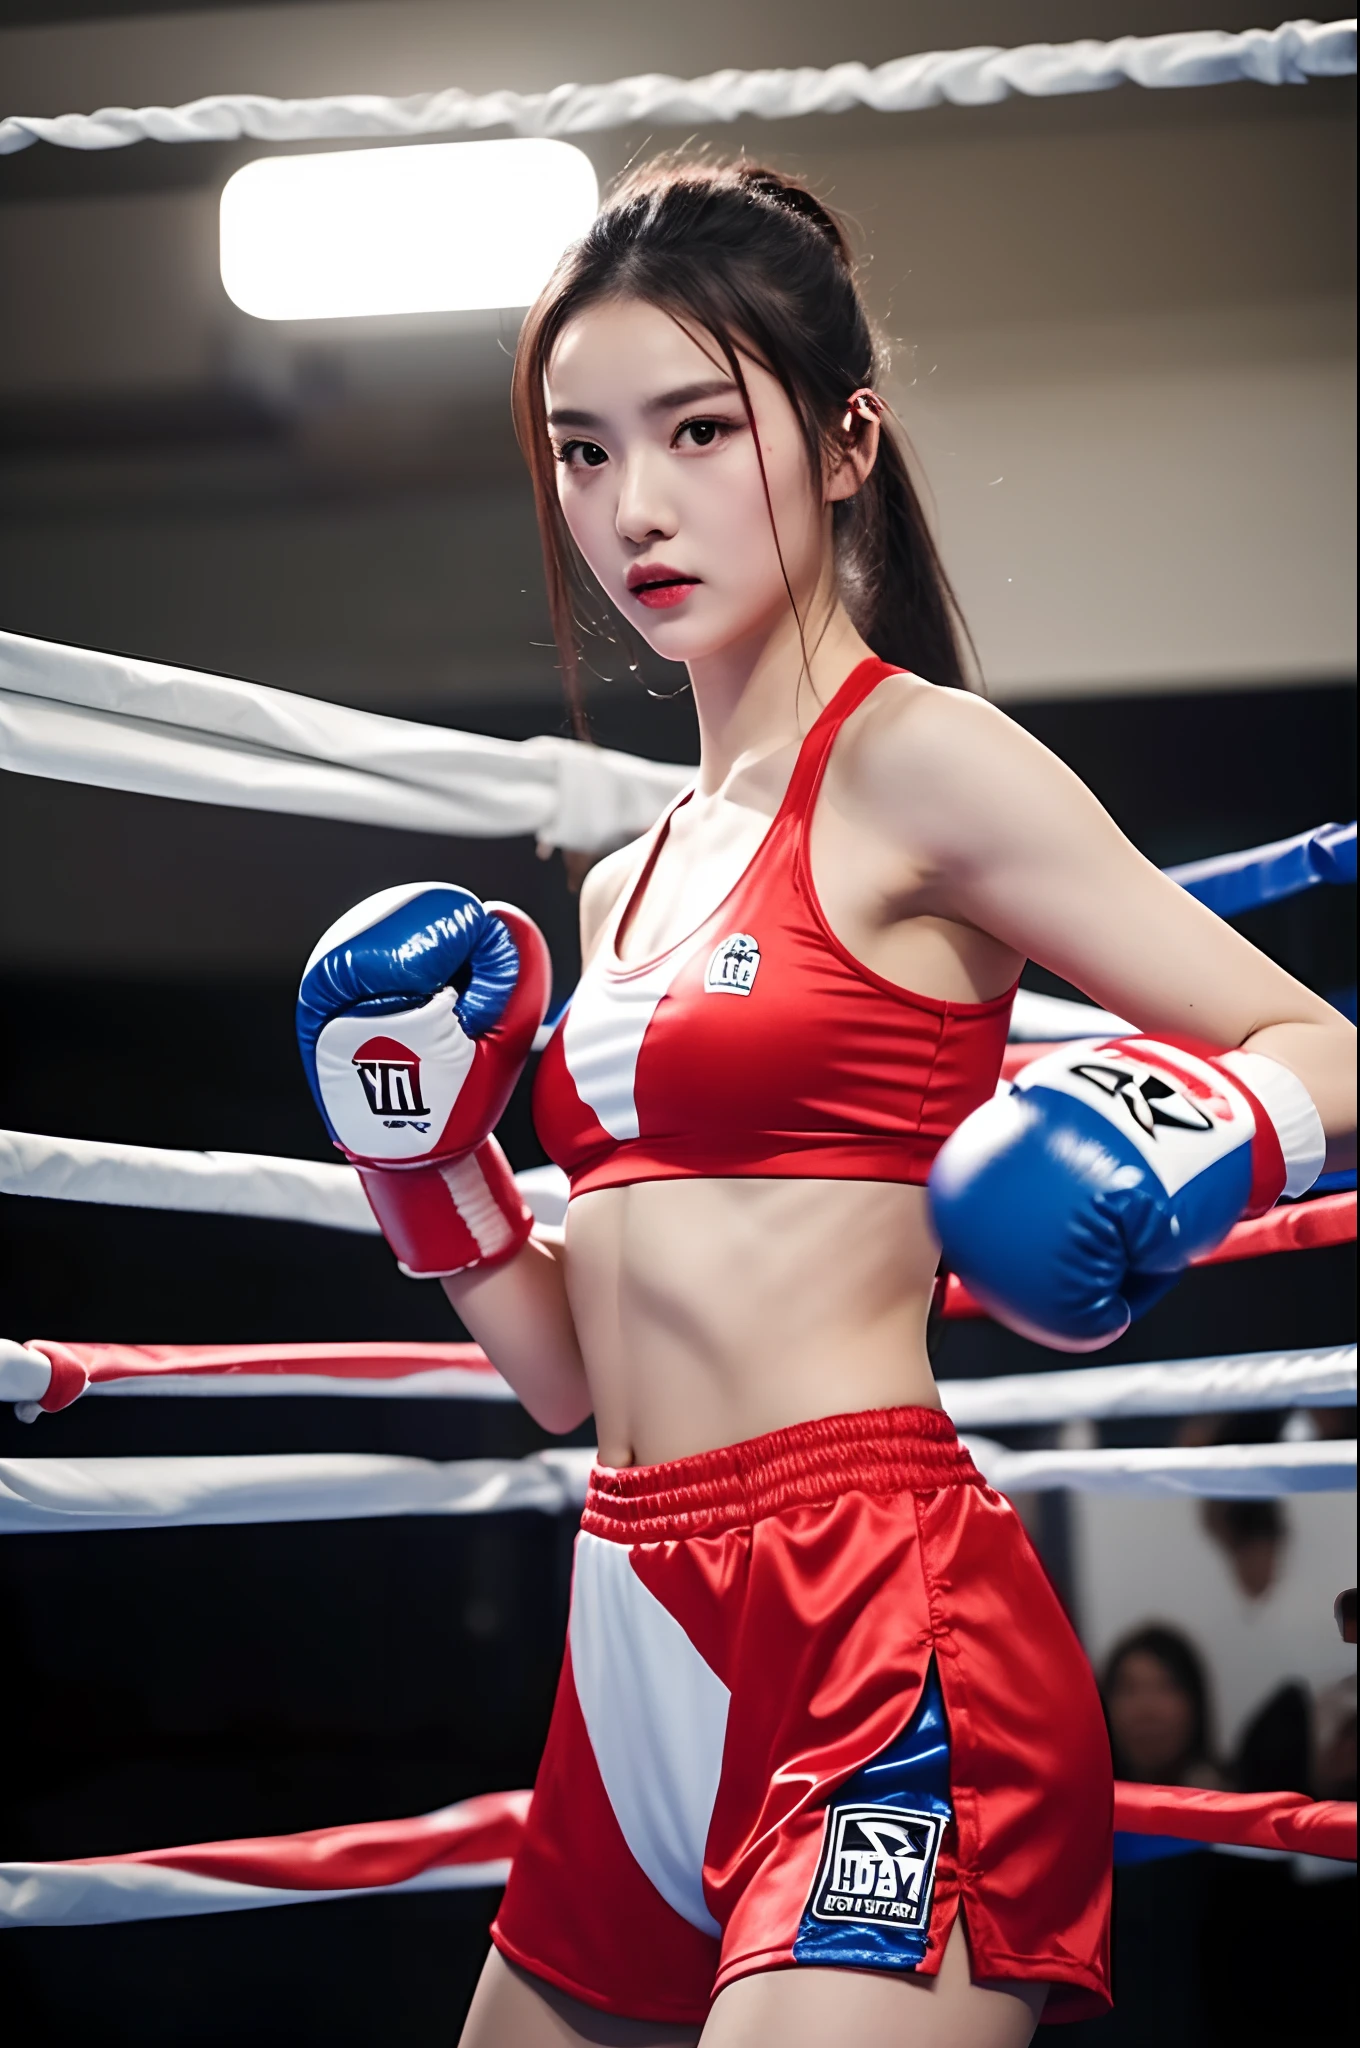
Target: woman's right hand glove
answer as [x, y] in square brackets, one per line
[415, 1016]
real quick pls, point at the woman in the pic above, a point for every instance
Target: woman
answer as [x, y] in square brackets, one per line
[826, 1758]
[1157, 1708]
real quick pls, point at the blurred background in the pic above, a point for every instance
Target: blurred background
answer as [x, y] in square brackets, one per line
[1123, 344]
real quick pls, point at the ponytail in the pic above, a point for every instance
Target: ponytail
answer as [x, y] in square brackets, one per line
[891, 578]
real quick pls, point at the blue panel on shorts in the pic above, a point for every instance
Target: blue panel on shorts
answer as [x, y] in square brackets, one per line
[870, 1903]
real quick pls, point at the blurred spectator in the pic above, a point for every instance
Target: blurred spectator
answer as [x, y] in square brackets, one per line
[1274, 1754]
[1252, 1534]
[1300, 1742]
[1300, 1984]
[1219, 1950]
[1333, 1759]
[1343, 1612]
[1156, 1698]
[1156, 1695]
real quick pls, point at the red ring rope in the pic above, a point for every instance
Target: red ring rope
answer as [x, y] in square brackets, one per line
[1247, 1820]
[489, 1828]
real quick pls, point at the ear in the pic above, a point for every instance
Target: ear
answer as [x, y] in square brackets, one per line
[851, 460]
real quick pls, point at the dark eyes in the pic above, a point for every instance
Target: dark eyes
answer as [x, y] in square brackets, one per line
[693, 434]
[581, 454]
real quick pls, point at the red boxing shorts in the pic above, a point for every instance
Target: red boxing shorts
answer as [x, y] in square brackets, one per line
[818, 1697]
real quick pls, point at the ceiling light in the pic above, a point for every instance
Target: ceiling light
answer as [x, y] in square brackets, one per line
[430, 228]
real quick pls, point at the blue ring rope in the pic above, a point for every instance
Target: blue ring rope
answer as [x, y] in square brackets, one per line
[1234, 882]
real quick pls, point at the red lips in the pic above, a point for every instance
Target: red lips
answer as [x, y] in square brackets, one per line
[658, 586]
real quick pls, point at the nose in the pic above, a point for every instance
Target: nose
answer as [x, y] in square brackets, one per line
[645, 512]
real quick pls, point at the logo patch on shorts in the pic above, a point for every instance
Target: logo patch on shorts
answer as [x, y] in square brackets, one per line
[877, 1867]
[733, 966]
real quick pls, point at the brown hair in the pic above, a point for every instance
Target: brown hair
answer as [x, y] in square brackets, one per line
[753, 258]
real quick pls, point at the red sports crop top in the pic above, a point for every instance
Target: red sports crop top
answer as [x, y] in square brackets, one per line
[759, 1045]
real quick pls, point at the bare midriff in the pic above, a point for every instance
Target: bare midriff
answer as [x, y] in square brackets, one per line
[712, 1311]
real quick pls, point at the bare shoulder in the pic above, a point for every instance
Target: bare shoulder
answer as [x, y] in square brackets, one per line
[946, 766]
[603, 886]
[915, 728]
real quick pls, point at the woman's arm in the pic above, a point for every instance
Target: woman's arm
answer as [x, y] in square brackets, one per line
[1014, 844]
[520, 1315]
[519, 1312]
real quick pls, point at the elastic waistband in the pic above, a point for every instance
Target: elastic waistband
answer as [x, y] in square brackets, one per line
[878, 1450]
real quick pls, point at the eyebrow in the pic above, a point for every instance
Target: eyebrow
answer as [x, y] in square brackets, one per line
[666, 401]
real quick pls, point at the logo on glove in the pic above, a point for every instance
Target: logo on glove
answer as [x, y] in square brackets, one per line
[390, 1073]
[1151, 1102]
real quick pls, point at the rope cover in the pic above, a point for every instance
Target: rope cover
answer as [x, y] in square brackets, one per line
[1288, 55]
[75, 715]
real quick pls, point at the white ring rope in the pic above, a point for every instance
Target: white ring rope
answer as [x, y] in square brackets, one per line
[215, 1183]
[1183, 1386]
[1236, 1382]
[76, 715]
[1288, 55]
[207, 1183]
[38, 1494]
[43, 1495]
[1215, 1472]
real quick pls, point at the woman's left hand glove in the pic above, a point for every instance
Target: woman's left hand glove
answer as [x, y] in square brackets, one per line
[1073, 1200]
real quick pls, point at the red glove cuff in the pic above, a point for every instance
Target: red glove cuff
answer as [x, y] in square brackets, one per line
[450, 1215]
[1291, 1145]
[1268, 1170]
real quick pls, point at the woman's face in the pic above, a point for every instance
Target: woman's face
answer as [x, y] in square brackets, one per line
[660, 484]
[1151, 1719]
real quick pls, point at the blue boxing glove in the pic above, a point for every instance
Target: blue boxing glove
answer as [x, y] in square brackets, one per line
[1073, 1200]
[416, 1013]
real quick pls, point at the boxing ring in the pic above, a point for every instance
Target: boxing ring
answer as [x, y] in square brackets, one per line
[87, 717]
[79, 715]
